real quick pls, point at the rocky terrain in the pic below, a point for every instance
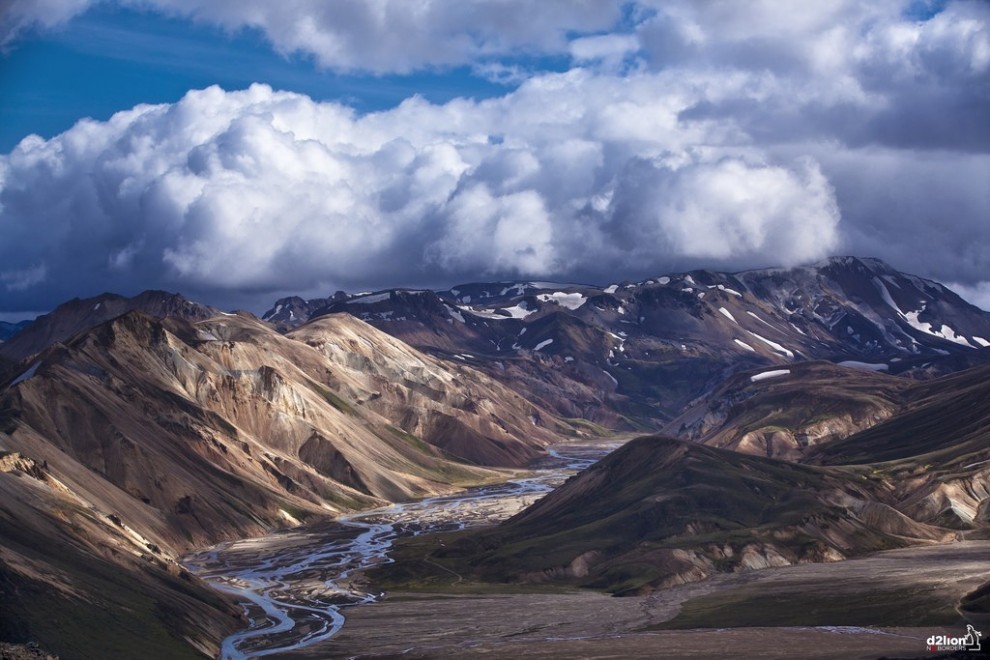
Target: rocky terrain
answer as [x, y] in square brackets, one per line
[660, 512]
[806, 415]
[141, 438]
[633, 355]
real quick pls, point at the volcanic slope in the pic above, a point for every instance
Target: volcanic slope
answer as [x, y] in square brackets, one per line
[633, 354]
[659, 511]
[787, 413]
[142, 438]
[78, 315]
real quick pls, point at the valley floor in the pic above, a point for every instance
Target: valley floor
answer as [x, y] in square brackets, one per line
[887, 604]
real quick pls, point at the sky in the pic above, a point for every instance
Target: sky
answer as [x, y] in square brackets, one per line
[241, 150]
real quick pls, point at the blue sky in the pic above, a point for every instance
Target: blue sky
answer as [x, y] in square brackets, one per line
[239, 151]
[112, 58]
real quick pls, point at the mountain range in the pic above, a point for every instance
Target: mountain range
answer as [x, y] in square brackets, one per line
[661, 511]
[634, 354]
[806, 414]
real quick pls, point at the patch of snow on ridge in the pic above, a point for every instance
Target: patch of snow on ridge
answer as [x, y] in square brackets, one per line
[744, 345]
[885, 294]
[776, 373]
[868, 366]
[568, 300]
[454, 313]
[611, 378]
[611, 288]
[543, 344]
[518, 288]
[727, 314]
[981, 341]
[33, 369]
[519, 311]
[945, 333]
[764, 322]
[370, 299]
[774, 345]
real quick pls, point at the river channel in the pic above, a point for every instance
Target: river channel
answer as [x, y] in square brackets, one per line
[295, 585]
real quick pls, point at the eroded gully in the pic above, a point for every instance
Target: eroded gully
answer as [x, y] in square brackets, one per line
[295, 585]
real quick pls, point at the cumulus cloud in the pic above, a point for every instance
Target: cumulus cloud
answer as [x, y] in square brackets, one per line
[259, 190]
[686, 134]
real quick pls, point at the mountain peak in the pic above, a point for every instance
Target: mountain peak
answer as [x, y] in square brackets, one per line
[80, 314]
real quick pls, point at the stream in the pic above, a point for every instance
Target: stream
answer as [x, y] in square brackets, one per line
[295, 584]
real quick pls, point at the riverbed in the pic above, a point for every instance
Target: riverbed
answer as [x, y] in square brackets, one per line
[297, 585]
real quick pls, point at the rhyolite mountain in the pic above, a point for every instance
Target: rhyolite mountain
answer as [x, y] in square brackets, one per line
[634, 354]
[135, 429]
[169, 428]
[788, 412]
[78, 314]
[661, 511]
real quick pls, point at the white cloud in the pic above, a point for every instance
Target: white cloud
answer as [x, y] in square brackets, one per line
[398, 36]
[19, 16]
[977, 294]
[20, 280]
[720, 211]
[262, 190]
[687, 133]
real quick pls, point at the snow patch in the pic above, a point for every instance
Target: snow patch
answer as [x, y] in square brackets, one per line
[727, 314]
[519, 311]
[722, 287]
[612, 288]
[518, 288]
[371, 299]
[761, 320]
[885, 294]
[868, 366]
[568, 300]
[543, 344]
[776, 373]
[774, 345]
[32, 370]
[945, 333]
[611, 378]
[744, 345]
[981, 341]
